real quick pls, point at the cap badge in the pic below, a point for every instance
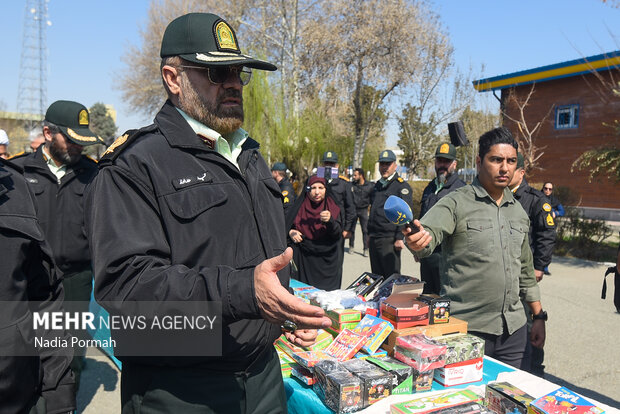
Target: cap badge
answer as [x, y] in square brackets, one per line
[444, 149]
[385, 154]
[83, 117]
[329, 154]
[225, 37]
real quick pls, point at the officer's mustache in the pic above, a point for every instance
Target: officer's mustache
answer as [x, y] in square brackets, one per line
[230, 93]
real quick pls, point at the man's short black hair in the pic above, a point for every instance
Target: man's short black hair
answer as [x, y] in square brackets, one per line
[495, 136]
[360, 171]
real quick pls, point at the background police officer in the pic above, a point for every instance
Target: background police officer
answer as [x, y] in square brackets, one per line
[385, 237]
[542, 241]
[444, 183]
[362, 191]
[58, 174]
[278, 172]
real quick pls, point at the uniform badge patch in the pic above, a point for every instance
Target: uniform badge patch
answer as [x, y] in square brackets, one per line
[547, 207]
[225, 37]
[550, 221]
[444, 149]
[286, 200]
[400, 179]
[284, 193]
[404, 191]
[32, 180]
[83, 117]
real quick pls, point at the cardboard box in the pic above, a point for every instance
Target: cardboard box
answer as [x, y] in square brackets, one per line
[366, 284]
[420, 351]
[304, 375]
[460, 373]
[381, 353]
[563, 401]
[462, 347]
[438, 308]
[340, 390]
[345, 345]
[402, 374]
[453, 326]
[422, 381]
[435, 402]
[376, 330]
[404, 311]
[344, 315]
[505, 398]
[376, 383]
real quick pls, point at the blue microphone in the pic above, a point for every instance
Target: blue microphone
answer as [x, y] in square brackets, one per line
[398, 212]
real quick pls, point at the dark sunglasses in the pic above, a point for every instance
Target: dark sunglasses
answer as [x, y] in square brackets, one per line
[548, 188]
[220, 74]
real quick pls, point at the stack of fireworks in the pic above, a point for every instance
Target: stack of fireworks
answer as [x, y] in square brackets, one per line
[340, 390]
[424, 355]
[447, 402]
[402, 374]
[376, 330]
[464, 360]
[376, 382]
[503, 398]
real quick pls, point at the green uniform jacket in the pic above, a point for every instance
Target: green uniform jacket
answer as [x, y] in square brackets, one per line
[487, 259]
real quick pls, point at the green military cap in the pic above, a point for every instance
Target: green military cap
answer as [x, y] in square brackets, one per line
[520, 161]
[278, 166]
[73, 120]
[446, 150]
[330, 156]
[208, 40]
[387, 156]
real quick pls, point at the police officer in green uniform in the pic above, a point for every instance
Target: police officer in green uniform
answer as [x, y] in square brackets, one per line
[385, 238]
[186, 209]
[542, 241]
[58, 173]
[278, 172]
[444, 183]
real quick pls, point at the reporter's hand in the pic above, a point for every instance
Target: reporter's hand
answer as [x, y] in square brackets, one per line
[418, 240]
[325, 215]
[302, 337]
[537, 334]
[276, 304]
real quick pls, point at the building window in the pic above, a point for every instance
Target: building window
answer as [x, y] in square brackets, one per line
[567, 117]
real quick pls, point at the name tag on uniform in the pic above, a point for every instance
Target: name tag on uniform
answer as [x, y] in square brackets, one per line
[189, 180]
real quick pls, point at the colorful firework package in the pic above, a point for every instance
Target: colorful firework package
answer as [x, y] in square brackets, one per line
[340, 390]
[420, 351]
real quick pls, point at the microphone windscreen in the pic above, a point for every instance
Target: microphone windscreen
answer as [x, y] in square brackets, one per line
[397, 210]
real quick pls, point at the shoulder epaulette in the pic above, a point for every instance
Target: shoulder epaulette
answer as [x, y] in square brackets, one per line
[19, 155]
[343, 177]
[122, 142]
[400, 179]
[89, 158]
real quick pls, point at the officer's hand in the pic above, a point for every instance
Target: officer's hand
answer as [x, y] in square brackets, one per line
[539, 274]
[325, 216]
[346, 234]
[537, 334]
[399, 245]
[276, 304]
[417, 240]
[302, 337]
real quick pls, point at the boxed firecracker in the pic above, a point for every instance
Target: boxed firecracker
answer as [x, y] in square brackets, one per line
[460, 373]
[344, 315]
[340, 390]
[469, 408]
[462, 347]
[379, 354]
[345, 345]
[420, 351]
[322, 341]
[366, 284]
[376, 383]
[422, 381]
[303, 374]
[403, 311]
[397, 283]
[438, 308]
[435, 402]
[340, 326]
[402, 374]
[453, 326]
[562, 401]
[375, 329]
[505, 398]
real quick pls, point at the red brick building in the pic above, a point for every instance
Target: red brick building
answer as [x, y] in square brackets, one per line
[571, 102]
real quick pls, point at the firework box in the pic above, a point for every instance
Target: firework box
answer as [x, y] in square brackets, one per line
[460, 373]
[462, 347]
[563, 401]
[402, 374]
[435, 402]
[469, 408]
[420, 351]
[303, 375]
[381, 353]
[376, 330]
[341, 326]
[376, 383]
[404, 311]
[366, 284]
[453, 326]
[422, 380]
[345, 345]
[438, 308]
[339, 390]
[505, 398]
[344, 315]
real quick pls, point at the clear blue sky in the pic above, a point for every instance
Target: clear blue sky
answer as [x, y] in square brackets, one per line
[87, 39]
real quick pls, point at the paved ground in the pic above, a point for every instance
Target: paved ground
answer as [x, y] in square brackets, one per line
[582, 349]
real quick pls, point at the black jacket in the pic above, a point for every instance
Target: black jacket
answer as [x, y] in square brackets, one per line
[288, 193]
[28, 283]
[378, 225]
[340, 191]
[542, 226]
[362, 194]
[60, 207]
[172, 220]
[429, 198]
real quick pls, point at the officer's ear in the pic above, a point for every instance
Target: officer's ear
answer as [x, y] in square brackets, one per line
[172, 79]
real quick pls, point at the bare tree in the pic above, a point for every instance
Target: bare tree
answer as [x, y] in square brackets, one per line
[528, 126]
